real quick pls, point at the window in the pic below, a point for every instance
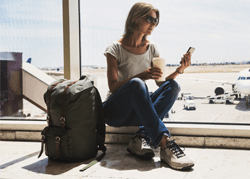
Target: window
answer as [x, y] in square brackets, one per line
[29, 31]
[34, 28]
[206, 26]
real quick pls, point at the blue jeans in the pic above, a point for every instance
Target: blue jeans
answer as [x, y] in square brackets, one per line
[133, 105]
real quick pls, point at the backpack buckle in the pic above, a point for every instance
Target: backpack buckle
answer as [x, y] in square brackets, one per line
[62, 121]
[58, 139]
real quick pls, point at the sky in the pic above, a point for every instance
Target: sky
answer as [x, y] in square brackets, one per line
[218, 29]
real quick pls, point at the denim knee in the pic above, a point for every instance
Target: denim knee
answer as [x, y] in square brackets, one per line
[175, 86]
[138, 85]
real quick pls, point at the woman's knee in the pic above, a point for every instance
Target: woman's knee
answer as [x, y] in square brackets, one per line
[175, 86]
[137, 83]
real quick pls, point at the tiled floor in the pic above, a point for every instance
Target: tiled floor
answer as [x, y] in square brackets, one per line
[19, 160]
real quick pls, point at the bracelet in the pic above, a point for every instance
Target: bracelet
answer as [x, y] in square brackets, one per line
[179, 72]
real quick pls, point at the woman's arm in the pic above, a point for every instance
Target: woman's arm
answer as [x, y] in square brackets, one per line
[112, 73]
[185, 62]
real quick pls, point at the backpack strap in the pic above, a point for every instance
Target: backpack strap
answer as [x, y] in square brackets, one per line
[44, 132]
[98, 159]
[63, 105]
[101, 128]
[48, 100]
[58, 142]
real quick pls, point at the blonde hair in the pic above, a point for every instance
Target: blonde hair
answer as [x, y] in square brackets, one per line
[136, 13]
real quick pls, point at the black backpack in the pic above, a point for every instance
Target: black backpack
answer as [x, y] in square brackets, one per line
[76, 127]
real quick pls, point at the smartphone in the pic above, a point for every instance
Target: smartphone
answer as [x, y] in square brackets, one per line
[190, 50]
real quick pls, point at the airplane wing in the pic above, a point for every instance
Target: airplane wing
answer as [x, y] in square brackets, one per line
[212, 81]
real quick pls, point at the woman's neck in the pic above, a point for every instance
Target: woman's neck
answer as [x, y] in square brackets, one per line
[135, 40]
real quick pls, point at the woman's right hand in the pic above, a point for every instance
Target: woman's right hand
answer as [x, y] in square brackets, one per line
[151, 73]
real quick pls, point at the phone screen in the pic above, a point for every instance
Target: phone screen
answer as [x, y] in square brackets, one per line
[191, 50]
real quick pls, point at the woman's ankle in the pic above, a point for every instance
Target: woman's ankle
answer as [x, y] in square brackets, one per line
[164, 141]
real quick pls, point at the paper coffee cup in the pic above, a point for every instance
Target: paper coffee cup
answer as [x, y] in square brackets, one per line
[160, 63]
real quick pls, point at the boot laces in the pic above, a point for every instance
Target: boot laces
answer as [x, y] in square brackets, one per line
[175, 149]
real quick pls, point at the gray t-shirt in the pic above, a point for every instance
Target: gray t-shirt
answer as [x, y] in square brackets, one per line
[130, 64]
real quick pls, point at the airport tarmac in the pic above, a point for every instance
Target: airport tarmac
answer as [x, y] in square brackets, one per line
[205, 112]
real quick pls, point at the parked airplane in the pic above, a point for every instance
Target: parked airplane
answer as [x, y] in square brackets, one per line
[240, 86]
[50, 72]
[243, 84]
[54, 72]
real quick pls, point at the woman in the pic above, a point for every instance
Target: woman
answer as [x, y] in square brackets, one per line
[130, 104]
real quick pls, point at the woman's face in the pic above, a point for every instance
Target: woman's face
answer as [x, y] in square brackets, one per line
[144, 26]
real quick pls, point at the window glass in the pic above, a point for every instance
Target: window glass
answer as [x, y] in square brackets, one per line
[33, 29]
[30, 31]
[205, 25]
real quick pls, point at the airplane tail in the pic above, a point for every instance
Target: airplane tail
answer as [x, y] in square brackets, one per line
[29, 60]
